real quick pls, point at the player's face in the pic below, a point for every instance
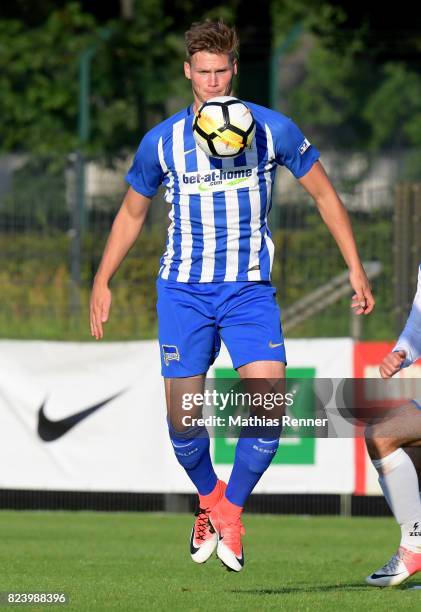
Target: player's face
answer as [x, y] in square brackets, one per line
[211, 75]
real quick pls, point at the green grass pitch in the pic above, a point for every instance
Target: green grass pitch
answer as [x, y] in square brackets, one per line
[141, 562]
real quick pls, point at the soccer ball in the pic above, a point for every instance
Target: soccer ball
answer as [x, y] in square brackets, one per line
[224, 127]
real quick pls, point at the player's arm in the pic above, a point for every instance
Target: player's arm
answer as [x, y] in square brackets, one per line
[335, 216]
[408, 347]
[126, 228]
[392, 363]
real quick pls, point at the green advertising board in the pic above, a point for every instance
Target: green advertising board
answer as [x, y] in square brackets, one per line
[295, 448]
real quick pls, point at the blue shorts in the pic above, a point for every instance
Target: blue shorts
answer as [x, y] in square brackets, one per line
[194, 317]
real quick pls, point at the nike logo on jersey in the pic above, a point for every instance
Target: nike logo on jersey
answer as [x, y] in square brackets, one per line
[272, 345]
[189, 151]
[49, 430]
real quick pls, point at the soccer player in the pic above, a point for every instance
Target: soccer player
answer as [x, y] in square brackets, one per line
[214, 278]
[398, 477]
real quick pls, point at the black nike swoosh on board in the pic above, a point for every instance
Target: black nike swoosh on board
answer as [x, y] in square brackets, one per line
[49, 430]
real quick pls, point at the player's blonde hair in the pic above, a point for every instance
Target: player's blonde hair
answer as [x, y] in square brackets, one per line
[213, 37]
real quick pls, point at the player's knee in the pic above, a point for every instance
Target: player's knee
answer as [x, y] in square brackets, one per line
[379, 445]
[261, 452]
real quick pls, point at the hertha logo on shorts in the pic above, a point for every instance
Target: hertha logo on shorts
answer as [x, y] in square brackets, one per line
[170, 352]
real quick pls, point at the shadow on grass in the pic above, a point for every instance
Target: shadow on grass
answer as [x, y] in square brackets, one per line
[354, 586]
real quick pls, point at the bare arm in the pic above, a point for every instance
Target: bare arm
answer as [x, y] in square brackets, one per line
[336, 218]
[392, 363]
[126, 228]
[408, 347]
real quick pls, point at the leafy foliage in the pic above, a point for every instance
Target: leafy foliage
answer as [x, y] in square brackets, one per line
[394, 109]
[38, 299]
[342, 94]
[345, 96]
[38, 81]
[136, 68]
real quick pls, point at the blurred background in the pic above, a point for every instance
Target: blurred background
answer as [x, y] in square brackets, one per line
[80, 83]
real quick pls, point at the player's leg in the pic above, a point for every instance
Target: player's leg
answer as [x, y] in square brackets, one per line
[190, 442]
[255, 450]
[191, 447]
[256, 447]
[253, 334]
[251, 330]
[414, 452]
[188, 346]
[399, 482]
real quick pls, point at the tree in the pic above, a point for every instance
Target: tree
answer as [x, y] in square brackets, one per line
[38, 86]
[343, 93]
[393, 110]
[136, 71]
[136, 74]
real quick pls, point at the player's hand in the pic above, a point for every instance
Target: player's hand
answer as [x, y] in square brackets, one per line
[363, 301]
[99, 308]
[391, 364]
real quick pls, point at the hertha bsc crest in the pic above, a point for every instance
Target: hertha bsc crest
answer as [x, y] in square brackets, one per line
[170, 353]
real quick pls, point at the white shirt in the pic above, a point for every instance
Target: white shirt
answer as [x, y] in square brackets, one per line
[410, 338]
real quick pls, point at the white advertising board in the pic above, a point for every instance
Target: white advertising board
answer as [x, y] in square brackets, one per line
[91, 417]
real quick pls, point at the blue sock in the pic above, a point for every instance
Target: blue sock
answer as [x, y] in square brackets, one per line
[252, 458]
[191, 448]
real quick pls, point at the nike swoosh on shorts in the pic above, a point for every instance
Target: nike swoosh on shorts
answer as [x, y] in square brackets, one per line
[272, 345]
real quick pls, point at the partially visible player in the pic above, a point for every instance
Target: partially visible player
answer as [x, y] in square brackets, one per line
[397, 474]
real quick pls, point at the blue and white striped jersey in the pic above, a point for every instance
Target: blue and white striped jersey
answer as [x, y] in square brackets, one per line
[219, 208]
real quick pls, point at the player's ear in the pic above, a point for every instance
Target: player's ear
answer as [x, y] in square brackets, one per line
[187, 70]
[234, 66]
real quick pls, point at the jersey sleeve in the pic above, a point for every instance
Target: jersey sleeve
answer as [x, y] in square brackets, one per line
[293, 150]
[410, 338]
[146, 174]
